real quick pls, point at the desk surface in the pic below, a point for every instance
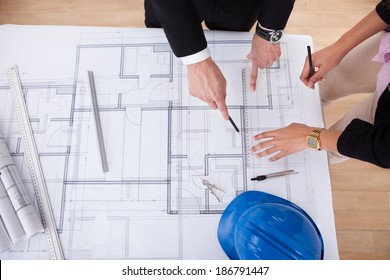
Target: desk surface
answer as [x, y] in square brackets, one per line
[160, 142]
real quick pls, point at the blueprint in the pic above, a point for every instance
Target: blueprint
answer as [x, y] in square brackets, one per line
[161, 143]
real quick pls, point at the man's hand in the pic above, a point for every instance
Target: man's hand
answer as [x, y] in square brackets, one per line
[281, 142]
[262, 54]
[206, 82]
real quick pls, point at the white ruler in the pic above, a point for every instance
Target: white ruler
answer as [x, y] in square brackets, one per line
[35, 165]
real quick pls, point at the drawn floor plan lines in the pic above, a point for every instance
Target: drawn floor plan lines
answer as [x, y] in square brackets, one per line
[161, 143]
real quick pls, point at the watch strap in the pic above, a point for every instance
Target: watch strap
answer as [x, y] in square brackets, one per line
[270, 35]
[263, 33]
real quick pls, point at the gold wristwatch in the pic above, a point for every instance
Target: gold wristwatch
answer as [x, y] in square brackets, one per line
[313, 139]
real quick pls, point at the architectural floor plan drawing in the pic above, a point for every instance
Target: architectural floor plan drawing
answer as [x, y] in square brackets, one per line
[164, 147]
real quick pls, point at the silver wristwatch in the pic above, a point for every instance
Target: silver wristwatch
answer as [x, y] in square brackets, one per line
[273, 36]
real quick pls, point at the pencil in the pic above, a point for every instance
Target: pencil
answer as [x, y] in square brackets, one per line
[233, 124]
[311, 68]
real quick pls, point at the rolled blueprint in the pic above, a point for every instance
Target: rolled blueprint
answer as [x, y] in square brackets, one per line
[9, 217]
[28, 217]
[5, 242]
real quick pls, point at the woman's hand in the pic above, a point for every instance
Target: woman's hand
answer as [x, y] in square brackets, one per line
[323, 61]
[284, 141]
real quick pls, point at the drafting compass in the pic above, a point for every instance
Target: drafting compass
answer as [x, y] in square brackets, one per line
[212, 188]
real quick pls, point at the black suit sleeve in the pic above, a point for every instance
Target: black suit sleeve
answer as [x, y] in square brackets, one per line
[274, 14]
[383, 10]
[369, 142]
[181, 25]
[183, 28]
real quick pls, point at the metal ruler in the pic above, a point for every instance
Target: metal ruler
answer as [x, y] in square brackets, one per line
[35, 165]
[98, 124]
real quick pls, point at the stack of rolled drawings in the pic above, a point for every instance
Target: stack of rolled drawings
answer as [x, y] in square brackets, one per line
[18, 217]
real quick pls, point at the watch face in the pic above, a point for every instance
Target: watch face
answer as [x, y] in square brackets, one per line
[312, 142]
[276, 36]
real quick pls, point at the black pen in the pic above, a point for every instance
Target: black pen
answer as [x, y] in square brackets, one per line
[311, 68]
[233, 124]
[277, 174]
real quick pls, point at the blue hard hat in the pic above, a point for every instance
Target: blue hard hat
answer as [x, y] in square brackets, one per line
[261, 226]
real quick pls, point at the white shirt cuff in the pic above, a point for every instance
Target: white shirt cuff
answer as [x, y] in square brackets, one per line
[196, 57]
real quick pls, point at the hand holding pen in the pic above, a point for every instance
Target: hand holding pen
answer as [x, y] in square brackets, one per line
[320, 62]
[309, 67]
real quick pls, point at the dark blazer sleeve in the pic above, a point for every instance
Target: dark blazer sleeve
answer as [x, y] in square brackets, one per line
[274, 14]
[183, 28]
[181, 25]
[383, 10]
[369, 142]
